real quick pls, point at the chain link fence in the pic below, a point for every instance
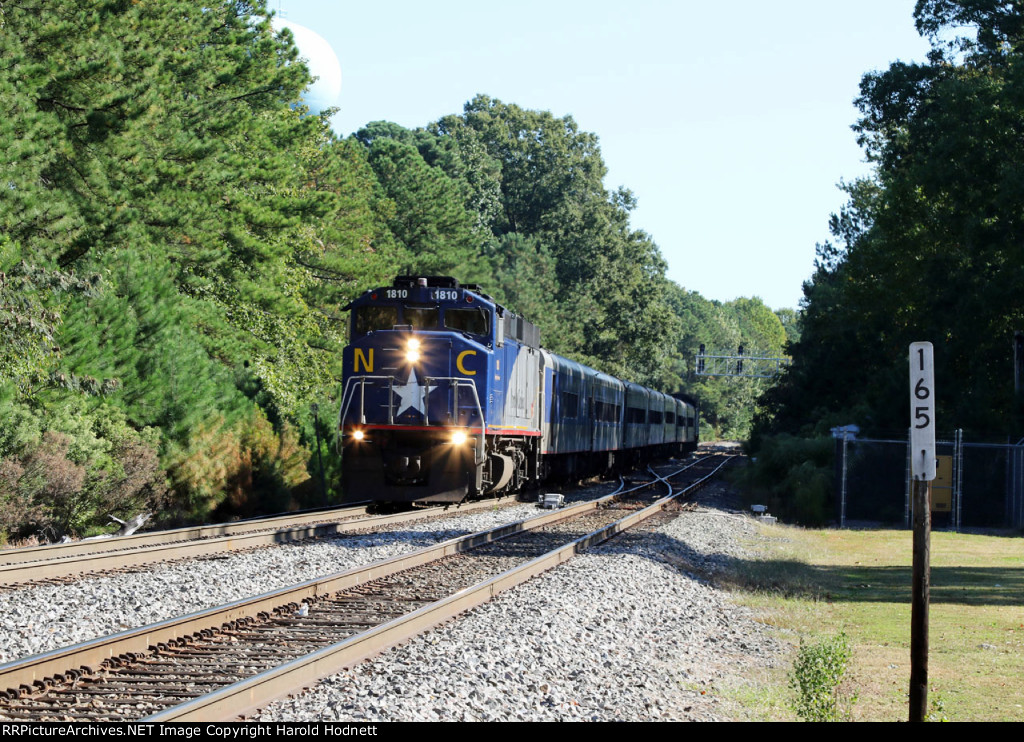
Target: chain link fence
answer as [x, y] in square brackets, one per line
[978, 485]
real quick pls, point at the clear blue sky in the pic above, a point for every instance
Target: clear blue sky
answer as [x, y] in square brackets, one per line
[729, 121]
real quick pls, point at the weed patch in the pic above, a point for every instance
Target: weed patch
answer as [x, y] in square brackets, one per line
[817, 678]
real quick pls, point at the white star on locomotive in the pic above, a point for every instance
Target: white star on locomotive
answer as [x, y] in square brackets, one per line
[412, 395]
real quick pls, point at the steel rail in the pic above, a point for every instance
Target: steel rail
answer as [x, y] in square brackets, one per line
[163, 549]
[188, 533]
[699, 484]
[246, 696]
[661, 478]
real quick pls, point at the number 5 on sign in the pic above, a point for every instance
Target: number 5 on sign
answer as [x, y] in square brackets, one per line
[922, 411]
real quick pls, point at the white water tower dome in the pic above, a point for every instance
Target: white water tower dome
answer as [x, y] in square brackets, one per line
[322, 62]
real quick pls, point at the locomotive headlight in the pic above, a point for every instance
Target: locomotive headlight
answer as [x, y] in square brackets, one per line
[459, 437]
[358, 435]
[412, 350]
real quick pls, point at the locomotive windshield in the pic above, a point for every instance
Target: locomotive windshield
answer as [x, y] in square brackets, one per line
[473, 320]
[375, 317]
[372, 317]
[422, 317]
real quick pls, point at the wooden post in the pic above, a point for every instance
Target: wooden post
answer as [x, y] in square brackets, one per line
[922, 449]
[919, 601]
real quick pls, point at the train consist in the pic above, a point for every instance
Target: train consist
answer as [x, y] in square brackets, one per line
[448, 395]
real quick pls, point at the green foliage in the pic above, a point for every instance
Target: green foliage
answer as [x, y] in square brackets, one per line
[759, 326]
[526, 272]
[461, 155]
[816, 677]
[157, 147]
[31, 300]
[353, 247]
[142, 335]
[244, 467]
[322, 428]
[791, 320]
[793, 476]
[65, 469]
[929, 247]
[270, 466]
[428, 220]
[727, 404]
[162, 122]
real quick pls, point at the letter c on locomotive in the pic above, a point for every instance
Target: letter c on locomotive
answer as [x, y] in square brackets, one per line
[458, 362]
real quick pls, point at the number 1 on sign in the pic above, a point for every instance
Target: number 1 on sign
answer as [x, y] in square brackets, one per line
[922, 411]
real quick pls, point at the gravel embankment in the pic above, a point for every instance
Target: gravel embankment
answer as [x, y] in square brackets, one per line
[625, 632]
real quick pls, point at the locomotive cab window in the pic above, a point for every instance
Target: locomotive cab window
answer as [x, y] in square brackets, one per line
[473, 321]
[423, 317]
[374, 317]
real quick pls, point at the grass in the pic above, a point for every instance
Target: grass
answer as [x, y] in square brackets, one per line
[816, 583]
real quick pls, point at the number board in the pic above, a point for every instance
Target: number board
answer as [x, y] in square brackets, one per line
[444, 295]
[922, 411]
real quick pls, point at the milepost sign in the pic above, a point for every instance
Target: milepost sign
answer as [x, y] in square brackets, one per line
[922, 411]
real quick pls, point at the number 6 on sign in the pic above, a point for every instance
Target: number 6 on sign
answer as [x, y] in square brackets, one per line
[922, 411]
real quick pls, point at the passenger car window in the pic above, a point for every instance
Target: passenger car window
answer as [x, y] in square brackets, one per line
[570, 404]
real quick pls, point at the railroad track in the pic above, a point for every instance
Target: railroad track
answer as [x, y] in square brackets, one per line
[62, 563]
[238, 657]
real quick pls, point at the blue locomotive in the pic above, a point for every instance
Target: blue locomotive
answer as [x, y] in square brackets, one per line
[448, 395]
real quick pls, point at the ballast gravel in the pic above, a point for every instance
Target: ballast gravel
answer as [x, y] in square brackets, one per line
[627, 631]
[38, 619]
